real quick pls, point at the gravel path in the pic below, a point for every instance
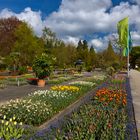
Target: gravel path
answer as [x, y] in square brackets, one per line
[135, 91]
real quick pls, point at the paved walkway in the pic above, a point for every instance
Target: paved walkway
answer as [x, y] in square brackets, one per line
[135, 90]
[13, 92]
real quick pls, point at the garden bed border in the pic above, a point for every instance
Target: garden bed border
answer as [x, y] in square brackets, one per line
[132, 126]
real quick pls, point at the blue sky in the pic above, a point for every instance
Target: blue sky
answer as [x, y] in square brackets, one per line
[46, 6]
[94, 20]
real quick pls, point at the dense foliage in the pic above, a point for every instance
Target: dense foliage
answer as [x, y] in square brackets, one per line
[135, 57]
[42, 65]
[19, 46]
[7, 37]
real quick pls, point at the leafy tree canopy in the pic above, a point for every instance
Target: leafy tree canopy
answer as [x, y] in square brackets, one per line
[27, 44]
[7, 36]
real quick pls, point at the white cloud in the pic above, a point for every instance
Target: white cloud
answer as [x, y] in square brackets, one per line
[137, 1]
[76, 17]
[33, 18]
[70, 39]
[135, 38]
[100, 43]
[80, 18]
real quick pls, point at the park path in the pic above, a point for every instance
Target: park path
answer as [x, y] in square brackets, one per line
[135, 91]
[13, 92]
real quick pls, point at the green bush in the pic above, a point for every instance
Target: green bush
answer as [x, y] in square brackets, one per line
[22, 70]
[116, 66]
[42, 66]
[89, 69]
[110, 71]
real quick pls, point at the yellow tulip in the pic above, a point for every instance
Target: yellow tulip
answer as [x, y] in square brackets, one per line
[4, 117]
[15, 123]
[20, 123]
[2, 121]
[10, 120]
[7, 123]
[14, 118]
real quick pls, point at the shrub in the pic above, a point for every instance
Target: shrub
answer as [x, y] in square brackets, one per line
[42, 66]
[10, 129]
[22, 70]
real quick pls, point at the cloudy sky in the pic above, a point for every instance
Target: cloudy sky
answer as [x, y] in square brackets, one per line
[94, 20]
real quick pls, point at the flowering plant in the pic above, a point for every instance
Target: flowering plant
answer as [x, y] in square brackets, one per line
[10, 129]
[27, 110]
[107, 96]
[65, 88]
[82, 83]
[42, 66]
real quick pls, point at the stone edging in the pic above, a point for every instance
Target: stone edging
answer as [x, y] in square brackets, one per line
[132, 126]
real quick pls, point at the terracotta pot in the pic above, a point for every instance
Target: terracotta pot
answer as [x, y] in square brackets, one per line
[41, 83]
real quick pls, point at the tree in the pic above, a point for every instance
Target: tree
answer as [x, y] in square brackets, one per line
[112, 59]
[100, 61]
[65, 54]
[107, 58]
[80, 45]
[50, 39]
[135, 56]
[59, 52]
[82, 51]
[92, 57]
[27, 44]
[7, 37]
[109, 54]
[114, 40]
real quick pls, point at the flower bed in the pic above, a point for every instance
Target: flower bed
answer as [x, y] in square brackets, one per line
[96, 77]
[60, 80]
[16, 81]
[65, 88]
[82, 83]
[10, 129]
[27, 110]
[40, 106]
[104, 118]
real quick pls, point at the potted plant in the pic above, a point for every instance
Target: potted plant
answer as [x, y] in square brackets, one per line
[42, 68]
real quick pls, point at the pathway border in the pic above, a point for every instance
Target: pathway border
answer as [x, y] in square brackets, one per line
[131, 125]
[135, 93]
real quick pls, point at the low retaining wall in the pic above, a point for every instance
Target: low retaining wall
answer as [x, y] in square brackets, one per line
[131, 126]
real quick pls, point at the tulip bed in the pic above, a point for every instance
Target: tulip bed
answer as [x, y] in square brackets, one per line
[105, 117]
[82, 83]
[59, 80]
[41, 105]
[9, 129]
